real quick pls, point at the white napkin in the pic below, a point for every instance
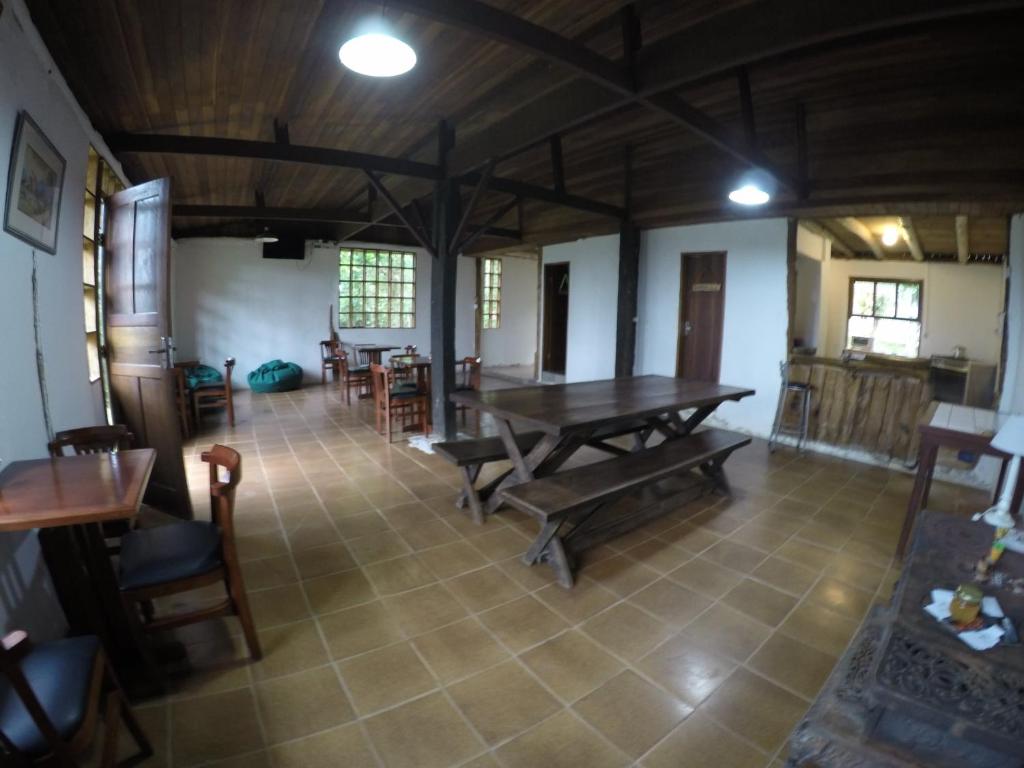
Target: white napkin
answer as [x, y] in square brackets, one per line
[979, 640]
[983, 639]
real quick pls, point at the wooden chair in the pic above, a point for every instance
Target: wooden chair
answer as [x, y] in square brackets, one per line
[400, 368]
[216, 395]
[183, 556]
[83, 440]
[467, 377]
[329, 359]
[51, 695]
[401, 404]
[362, 356]
[182, 395]
[352, 378]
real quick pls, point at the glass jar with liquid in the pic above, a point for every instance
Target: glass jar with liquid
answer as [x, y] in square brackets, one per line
[966, 604]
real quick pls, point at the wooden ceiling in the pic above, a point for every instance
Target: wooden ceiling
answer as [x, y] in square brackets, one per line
[909, 107]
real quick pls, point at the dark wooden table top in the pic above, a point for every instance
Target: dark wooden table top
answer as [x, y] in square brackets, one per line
[73, 490]
[562, 408]
[375, 347]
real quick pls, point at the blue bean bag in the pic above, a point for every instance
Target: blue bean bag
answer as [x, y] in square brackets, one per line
[275, 376]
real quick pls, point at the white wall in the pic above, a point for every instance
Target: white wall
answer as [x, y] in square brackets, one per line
[593, 301]
[230, 301]
[515, 341]
[963, 304]
[26, 83]
[808, 301]
[756, 317]
[1012, 399]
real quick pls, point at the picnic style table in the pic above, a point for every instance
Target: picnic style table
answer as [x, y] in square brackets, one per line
[572, 416]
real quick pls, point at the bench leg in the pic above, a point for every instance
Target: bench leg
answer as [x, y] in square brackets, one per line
[714, 471]
[540, 544]
[557, 558]
[469, 494]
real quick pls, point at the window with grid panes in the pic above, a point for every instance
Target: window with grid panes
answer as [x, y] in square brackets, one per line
[886, 313]
[491, 294]
[100, 183]
[376, 288]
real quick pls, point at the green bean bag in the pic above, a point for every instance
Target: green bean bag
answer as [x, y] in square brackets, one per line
[202, 374]
[275, 376]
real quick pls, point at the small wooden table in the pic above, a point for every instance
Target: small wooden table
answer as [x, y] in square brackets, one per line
[589, 413]
[68, 498]
[374, 351]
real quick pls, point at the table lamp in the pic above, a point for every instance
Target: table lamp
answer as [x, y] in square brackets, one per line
[1009, 439]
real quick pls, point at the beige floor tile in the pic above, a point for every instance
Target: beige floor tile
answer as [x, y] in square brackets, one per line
[755, 534]
[856, 573]
[793, 664]
[586, 598]
[424, 609]
[337, 591]
[503, 701]
[324, 750]
[453, 559]
[785, 575]
[571, 664]
[749, 704]
[320, 561]
[268, 573]
[378, 546]
[385, 677]
[819, 627]
[727, 631]
[761, 602]
[706, 577]
[659, 555]
[301, 704]
[734, 555]
[200, 732]
[360, 629]
[806, 554]
[280, 605]
[691, 538]
[562, 741]
[841, 598]
[361, 524]
[626, 631]
[522, 623]
[399, 575]
[459, 650]
[673, 604]
[687, 669]
[699, 743]
[484, 588]
[425, 733]
[428, 533]
[631, 713]
[622, 575]
[501, 543]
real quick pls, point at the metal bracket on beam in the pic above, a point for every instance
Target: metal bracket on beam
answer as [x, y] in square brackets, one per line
[261, 199]
[281, 132]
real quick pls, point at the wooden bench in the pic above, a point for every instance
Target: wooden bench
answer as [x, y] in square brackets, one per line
[471, 455]
[577, 495]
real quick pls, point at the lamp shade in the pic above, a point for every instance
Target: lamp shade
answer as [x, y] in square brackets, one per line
[1010, 438]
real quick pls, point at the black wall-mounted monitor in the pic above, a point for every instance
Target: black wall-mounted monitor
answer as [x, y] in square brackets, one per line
[286, 248]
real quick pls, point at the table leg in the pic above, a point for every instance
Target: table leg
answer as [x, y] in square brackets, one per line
[929, 452]
[545, 457]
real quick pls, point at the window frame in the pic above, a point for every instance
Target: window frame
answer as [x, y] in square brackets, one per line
[490, 320]
[346, 318]
[897, 282]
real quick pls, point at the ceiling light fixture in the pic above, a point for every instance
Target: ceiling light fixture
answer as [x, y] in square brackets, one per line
[377, 54]
[890, 235]
[753, 188]
[265, 237]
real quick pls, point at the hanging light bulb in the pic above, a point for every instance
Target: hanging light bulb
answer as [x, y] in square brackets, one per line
[890, 235]
[265, 237]
[754, 187]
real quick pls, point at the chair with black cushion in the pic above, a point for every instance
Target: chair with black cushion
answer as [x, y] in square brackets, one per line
[329, 359]
[352, 378]
[51, 696]
[401, 404]
[183, 556]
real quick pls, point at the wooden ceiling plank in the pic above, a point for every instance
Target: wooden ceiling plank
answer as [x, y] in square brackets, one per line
[963, 250]
[909, 234]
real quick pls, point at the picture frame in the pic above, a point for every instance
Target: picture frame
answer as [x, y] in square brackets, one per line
[35, 186]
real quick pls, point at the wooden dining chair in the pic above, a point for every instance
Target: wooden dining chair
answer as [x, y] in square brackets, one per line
[84, 440]
[352, 378]
[403, 374]
[51, 697]
[217, 394]
[329, 359]
[467, 378]
[394, 404]
[183, 556]
[363, 358]
[183, 396]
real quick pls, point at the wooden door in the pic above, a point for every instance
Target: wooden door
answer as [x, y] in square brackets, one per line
[556, 317]
[138, 316]
[701, 312]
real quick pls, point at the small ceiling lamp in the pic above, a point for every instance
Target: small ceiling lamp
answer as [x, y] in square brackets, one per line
[890, 235]
[375, 52]
[753, 188]
[265, 237]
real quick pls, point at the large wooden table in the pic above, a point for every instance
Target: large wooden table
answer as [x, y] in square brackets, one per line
[68, 499]
[590, 413]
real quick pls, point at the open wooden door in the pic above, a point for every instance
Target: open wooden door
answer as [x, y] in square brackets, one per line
[701, 314]
[139, 344]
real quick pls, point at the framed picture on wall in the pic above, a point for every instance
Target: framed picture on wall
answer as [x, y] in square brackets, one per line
[35, 181]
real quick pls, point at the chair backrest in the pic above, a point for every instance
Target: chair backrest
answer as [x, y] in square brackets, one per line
[469, 373]
[229, 366]
[380, 377]
[101, 439]
[225, 475]
[410, 349]
[362, 356]
[329, 350]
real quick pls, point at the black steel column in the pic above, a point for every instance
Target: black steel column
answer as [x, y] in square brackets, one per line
[442, 291]
[629, 277]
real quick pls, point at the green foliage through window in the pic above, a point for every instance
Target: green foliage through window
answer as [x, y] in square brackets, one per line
[888, 314]
[376, 289]
[490, 294]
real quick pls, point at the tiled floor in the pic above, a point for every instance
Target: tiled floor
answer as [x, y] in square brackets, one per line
[398, 633]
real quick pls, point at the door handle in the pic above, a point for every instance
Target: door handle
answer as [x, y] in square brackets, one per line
[687, 327]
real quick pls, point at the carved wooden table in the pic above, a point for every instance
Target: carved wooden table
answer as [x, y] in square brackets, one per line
[908, 692]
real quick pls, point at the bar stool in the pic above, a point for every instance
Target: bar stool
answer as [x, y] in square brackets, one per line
[801, 391]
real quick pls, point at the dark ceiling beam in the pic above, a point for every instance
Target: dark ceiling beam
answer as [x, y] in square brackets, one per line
[536, 192]
[480, 18]
[422, 237]
[146, 143]
[714, 47]
[330, 215]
